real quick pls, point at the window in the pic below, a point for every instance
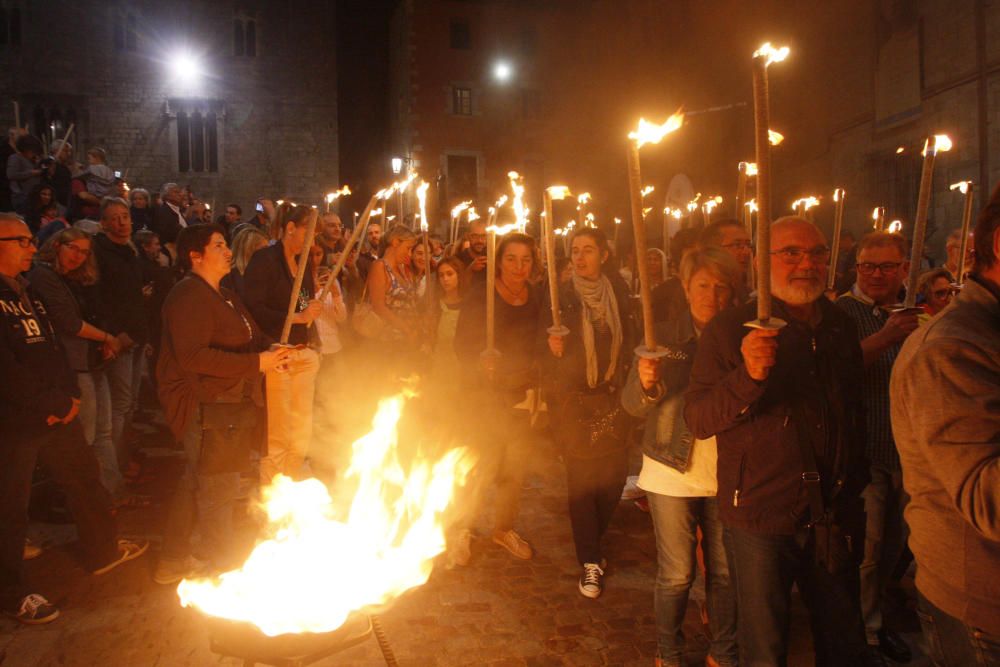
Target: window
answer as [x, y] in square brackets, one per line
[10, 26]
[461, 101]
[245, 37]
[461, 36]
[125, 33]
[197, 141]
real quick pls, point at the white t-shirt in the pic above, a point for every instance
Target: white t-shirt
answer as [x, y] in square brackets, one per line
[699, 481]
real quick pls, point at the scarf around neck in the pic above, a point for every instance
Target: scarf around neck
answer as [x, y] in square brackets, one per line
[599, 304]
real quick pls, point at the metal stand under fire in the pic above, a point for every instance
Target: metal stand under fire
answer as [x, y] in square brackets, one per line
[245, 642]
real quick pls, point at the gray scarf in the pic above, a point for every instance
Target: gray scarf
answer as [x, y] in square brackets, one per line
[599, 303]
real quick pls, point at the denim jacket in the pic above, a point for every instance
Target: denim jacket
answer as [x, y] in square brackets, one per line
[666, 437]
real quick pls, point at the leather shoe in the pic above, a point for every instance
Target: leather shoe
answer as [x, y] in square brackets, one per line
[893, 646]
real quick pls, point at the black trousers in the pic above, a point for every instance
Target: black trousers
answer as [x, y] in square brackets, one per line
[594, 488]
[72, 464]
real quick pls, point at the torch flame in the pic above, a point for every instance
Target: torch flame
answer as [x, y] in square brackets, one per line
[646, 211]
[900, 150]
[961, 186]
[456, 211]
[774, 138]
[646, 190]
[520, 213]
[649, 133]
[331, 196]
[583, 199]
[677, 213]
[472, 215]
[422, 200]
[837, 194]
[748, 168]
[387, 538]
[751, 205]
[942, 144]
[895, 226]
[875, 213]
[772, 54]
[618, 221]
[558, 192]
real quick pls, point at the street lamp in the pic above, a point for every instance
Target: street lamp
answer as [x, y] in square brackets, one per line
[397, 165]
[502, 71]
[185, 69]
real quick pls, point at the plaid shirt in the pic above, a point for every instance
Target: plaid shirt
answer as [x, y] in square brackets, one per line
[870, 318]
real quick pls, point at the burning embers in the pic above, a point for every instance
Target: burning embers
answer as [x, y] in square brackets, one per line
[322, 561]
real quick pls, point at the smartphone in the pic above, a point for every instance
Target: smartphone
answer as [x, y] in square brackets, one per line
[118, 174]
[260, 207]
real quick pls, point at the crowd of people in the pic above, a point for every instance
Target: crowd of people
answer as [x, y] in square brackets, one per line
[828, 454]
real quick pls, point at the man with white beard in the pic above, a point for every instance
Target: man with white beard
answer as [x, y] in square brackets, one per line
[785, 407]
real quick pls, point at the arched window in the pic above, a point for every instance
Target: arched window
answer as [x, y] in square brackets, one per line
[183, 142]
[244, 37]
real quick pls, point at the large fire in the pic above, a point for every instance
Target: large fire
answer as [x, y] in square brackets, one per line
[320, 563]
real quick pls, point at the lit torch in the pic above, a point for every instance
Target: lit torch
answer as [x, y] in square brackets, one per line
[425, 232]
[455, 217]
[333, 196]
[838, 224]
[555, 192]
[878, 218]
[966, 188]
[360, 227]
[646, 133]
[520, 213]
[762, 58]
[933, 145]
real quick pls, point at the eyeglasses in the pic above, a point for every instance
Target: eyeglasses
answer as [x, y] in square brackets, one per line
[739, 245]
[887, 268]
[794, 255]
[23, 241]
[945, 293]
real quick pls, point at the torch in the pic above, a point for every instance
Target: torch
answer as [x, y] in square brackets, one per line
[878, 218]
[646, 133]
[520, 212]
[745, 171]
[300, 274]
[751, 209]
[456, 214]
[360, 227]
[548, 229]
[933, 145]
[966, 188]
[762, 58]
[708, 207]
[838, 225]
[333, 196]
[425, 230]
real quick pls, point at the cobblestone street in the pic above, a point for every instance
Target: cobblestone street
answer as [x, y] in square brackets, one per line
[495, 611]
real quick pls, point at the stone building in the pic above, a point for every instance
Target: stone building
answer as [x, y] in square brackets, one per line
[238, 99]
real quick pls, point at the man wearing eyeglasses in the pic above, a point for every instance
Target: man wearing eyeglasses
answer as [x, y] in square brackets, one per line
[39, 403]
[881, 267]
[945, 393]
[785, 409]
[475, 255]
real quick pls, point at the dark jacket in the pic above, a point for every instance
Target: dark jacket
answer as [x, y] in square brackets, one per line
[666, 437]
[121, 281]
[813, 392]
[166, 223]
[35, 380]
[162, 279]
[69, 305]
[267, 288]
[208, 348]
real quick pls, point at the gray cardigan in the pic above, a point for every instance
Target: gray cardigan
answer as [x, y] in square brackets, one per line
[945, 395]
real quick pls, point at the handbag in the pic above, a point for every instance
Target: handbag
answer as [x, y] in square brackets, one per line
[833, 546]
[227, 436]
[365, 321]
[591, 424]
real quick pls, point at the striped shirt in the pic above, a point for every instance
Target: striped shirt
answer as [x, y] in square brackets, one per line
[870, 318]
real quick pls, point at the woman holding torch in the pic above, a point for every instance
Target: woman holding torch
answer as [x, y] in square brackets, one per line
[500, 382]
[587, 369]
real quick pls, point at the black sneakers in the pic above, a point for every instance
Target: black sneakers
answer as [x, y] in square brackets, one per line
[591, 581]
[35, 610]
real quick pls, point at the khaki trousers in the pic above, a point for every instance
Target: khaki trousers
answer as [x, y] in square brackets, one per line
[289, 415]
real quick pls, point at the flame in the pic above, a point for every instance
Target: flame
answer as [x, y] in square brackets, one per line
[618, 221]
[677, 213]
[457, 211]
[322, 559]
[583, 199]
[558, 192]
[422, 201]
[646, 211]
[961, 186]
[646, 190]
[332, 196]
[837, 194]
[472, 215]
[895, 226]
[900, 150]
[772, 54]
[390, 218]
[751, 205]
[649, 133]
[710, 204]
[806, 203]
[942, 144]
[875, 213]
[590, 220]
[774, 138]
[748, 168]
[520, 212]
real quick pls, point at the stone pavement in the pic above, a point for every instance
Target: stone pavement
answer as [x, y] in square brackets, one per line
[495, 611]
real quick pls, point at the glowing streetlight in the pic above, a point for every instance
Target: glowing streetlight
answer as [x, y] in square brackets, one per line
[502, 71]
[185, 68]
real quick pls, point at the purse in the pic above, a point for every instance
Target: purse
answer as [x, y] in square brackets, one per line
[591, 424]
[365, 321]
[228, 431]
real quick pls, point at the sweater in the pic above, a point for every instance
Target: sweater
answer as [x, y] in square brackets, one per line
[209, 347]
[946, 416]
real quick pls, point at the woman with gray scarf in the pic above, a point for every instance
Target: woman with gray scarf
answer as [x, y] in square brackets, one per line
[587, 369]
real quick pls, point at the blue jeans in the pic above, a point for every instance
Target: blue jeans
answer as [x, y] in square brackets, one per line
[95, 418]
[200, 501]
[951, 643]
[675, 521]
[885, 536]
[764, 568]
[121, 381]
